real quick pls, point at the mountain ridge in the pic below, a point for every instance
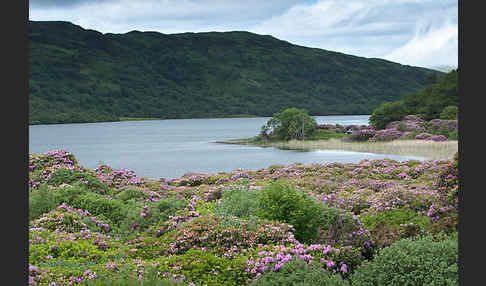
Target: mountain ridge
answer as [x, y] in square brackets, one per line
[83, 75]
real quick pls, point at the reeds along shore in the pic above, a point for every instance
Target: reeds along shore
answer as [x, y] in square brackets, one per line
[422, 148]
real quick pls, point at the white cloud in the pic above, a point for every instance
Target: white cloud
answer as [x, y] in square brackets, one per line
[404, 31]
[430, 47]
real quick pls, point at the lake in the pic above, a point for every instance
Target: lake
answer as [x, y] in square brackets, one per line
[171, 148]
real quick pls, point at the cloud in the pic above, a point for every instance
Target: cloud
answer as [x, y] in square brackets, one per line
[404, 31]
[432, 47]
[166, 16]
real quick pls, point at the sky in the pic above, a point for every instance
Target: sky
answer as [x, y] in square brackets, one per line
[410, 32]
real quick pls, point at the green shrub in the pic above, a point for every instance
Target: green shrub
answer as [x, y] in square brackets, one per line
[298, 272]
[449, 112]
[68, 176]
[132, 194]
[428, 260]
[389, 226]
[453, 135]
[280, 201]
[238, 202]
[67, 194]
[41, 201]
[112, 210]
[394, 218]
[155, 212]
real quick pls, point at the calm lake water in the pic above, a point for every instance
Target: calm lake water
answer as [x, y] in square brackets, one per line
[172, 148]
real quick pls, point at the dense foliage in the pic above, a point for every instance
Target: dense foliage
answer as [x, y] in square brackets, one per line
[426, 260]
[292, 123]
[410, 127]
[317, 224]
[78, 75]
[438, 99]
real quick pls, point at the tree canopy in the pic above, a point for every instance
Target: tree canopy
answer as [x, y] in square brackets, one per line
[292, 123]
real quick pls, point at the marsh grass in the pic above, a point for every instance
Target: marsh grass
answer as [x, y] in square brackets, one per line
[430, 150]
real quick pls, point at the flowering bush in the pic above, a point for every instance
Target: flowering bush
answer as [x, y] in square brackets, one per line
[209, 233]
[203, 268]
[60, 276]
[386, 135]
[81, 246]
[448, 181]
[270, 258]
[51, 159]
[137, 231]
[133, 273]
[423, 136]
[193, 179]
[362, 134]
[298, 272]
[68, 219]
[435, 125]
[119, 179]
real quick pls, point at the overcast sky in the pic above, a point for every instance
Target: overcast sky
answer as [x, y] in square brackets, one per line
[412, 32]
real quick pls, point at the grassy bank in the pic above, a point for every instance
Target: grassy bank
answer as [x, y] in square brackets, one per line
[429, 149]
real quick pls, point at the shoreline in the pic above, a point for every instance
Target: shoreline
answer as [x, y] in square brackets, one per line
[430, 150]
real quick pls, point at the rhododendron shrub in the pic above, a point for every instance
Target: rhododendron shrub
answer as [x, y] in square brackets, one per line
[88, 227]
[362, 134]
[211, 234]
[448, 181]
[298, 272]
[271, 258]
[68, 219]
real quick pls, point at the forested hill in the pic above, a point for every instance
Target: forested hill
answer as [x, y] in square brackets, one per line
[79, 75]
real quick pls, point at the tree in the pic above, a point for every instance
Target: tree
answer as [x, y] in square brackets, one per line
[388, 112]
[292, 123]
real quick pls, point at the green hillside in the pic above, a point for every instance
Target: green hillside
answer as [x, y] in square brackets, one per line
[439, 94]
[79, 75]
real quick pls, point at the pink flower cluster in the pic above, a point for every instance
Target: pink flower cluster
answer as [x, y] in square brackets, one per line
[44, 275]
[66, 218]
[272, 258]
[119, 179]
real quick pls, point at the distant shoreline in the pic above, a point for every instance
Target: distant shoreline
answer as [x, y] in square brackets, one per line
[422, 148]
[121, 119]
